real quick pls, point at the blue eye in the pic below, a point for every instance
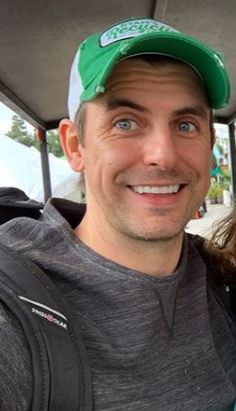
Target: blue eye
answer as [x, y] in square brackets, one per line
[186, 127]
[126, 124]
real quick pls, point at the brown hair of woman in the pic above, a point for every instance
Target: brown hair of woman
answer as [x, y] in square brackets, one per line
[222, 245]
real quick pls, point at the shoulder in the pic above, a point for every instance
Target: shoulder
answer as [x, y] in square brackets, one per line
[198, 244]
[212, 268]
[197, 241]
[216, 263]
[222, 286]
[24, 233]
[46, 239]
[21, 232]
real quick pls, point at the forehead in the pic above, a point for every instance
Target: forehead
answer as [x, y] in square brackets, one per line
[157, 71]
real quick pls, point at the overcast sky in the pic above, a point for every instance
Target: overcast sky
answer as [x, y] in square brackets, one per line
[5, 118]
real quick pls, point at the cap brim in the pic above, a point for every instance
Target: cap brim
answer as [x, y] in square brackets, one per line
[204, 60]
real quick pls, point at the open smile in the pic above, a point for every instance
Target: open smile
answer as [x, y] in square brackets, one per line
[164, 189]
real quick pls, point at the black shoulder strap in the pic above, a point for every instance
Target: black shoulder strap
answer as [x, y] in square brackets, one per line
[224, 292]
[60, 368]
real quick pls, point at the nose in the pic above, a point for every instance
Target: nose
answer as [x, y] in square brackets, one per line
[160, 149]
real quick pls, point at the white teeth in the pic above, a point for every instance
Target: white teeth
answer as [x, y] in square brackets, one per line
[156, 190]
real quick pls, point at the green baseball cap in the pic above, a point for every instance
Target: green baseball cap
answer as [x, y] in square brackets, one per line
[97, 55]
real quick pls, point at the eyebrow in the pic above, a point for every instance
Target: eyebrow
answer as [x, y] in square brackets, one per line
[112, 103]
[195, 110]
[115, 102]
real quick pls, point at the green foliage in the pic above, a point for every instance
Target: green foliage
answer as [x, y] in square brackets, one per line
[20, 133]
[212, 192]
[215, 191]
[54, 143]
[227, 176]
[214, 161]
[220, 149]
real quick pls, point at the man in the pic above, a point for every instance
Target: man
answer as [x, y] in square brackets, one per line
[140, 129]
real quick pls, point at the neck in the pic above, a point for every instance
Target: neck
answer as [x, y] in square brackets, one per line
[155, 257]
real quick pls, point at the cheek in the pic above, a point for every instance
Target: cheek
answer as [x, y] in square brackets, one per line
[114, 156]
[102, 164]
[199, 158]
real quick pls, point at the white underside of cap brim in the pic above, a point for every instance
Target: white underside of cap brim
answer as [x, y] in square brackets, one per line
[75, 88]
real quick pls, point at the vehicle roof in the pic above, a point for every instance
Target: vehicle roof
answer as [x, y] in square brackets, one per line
[38, 40]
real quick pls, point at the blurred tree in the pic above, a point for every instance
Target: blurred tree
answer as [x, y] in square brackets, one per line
[20, 133]
[214, 161]
[54, 145]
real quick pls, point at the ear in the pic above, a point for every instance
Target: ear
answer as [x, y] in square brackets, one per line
[70, 143]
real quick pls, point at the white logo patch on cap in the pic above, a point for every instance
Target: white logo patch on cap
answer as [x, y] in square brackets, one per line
[132, 28]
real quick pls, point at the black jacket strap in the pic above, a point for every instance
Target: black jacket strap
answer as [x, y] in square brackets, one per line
[60, 367]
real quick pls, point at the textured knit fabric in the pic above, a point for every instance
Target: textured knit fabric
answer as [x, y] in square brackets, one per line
[154, 343]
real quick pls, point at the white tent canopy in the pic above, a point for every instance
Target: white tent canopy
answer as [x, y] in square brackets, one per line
[20, 166]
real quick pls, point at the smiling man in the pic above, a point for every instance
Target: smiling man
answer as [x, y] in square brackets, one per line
[146, 154]
[141, 102]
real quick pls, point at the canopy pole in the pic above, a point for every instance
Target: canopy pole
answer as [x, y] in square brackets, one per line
[232, 157]
[42, 137]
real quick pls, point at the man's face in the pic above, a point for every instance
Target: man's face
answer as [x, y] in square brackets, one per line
[147, 152]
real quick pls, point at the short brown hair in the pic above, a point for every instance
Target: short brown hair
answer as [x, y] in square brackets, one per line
[80, 121]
